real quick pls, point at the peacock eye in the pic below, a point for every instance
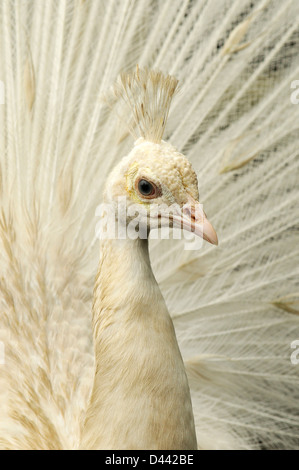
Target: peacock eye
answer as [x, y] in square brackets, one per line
[146, 188]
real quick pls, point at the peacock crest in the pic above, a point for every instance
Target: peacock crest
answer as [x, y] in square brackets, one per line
[146, 96]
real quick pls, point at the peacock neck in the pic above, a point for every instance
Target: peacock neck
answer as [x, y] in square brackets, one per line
[124, 277]
[141, 397]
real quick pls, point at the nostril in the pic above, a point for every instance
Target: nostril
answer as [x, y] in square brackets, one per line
[190, 212]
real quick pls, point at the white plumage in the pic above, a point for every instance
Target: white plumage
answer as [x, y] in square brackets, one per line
[234, 307]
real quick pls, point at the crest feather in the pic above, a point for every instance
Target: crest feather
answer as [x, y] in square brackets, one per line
[147, 95]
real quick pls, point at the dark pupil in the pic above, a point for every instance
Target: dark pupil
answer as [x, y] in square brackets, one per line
[145, 187]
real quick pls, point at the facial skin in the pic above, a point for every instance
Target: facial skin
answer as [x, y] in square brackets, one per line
[157, 174]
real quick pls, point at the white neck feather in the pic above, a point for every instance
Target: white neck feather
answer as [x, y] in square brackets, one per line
[141, 397]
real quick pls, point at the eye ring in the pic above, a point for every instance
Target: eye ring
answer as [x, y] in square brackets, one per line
[146, 189]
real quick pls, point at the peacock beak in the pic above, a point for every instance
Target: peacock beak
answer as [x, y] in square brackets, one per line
[194, 219]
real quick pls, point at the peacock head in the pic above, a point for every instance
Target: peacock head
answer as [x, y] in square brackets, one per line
[158, 184]
[155, 179]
